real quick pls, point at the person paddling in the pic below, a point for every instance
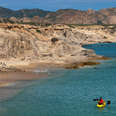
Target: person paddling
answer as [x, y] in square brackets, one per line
[100, 101]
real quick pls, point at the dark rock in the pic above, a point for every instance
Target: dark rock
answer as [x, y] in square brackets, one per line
[54, 40]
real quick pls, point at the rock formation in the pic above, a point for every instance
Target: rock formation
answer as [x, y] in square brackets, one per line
[21, 45]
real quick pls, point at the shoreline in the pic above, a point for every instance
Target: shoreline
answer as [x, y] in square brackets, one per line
[44, 65]
[73, 65]
[22, 77]
[24, 48]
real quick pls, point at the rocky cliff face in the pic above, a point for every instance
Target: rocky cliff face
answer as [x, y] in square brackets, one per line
[66, 16]
[56, 44]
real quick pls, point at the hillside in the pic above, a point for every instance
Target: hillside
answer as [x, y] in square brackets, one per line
[7, 13]
[65, 16]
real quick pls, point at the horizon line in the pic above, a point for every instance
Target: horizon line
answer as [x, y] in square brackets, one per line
[56, 9]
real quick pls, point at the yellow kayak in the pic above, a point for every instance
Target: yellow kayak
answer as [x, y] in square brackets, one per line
[101, 105]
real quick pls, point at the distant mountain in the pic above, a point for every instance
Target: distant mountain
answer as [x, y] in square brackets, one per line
[7, 13]
[30, 13]
[71, 16]
[66, 16]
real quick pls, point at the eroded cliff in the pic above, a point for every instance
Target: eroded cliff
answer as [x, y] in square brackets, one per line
[21, 45]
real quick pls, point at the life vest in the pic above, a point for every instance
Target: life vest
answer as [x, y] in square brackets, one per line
[101, 101]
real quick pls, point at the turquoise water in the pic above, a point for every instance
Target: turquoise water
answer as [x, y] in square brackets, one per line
[69, 92]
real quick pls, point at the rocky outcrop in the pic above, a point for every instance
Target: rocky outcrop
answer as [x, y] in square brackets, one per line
[21, 45]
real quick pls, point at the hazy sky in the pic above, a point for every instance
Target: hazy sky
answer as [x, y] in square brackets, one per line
[58, 4]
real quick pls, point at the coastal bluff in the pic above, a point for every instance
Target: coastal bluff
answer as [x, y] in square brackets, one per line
[24, 46]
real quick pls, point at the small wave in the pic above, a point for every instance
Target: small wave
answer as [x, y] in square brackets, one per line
[38, 71]
[7, 84]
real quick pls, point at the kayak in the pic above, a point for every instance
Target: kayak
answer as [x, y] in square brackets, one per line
[101, 105]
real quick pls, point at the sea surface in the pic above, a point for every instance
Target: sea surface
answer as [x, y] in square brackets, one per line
[69, 92]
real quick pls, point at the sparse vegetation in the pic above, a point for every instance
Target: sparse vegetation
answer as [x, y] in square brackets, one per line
[38, 31]
[54, 40]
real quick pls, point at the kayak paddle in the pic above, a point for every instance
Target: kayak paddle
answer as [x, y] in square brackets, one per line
[95, 99]
[108, 102]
